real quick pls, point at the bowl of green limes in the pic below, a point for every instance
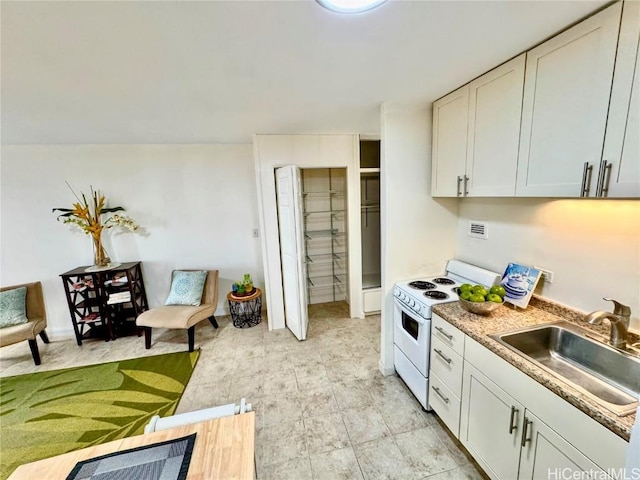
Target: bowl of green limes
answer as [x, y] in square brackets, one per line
[479, 299]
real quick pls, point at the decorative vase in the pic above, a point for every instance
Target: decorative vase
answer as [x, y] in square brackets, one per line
[100, 257]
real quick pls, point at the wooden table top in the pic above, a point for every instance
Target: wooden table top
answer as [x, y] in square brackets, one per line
[83, 270]
[224, 449]
[255, 294]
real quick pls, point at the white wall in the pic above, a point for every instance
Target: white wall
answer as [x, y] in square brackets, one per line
[592, 246]
[196, 205]
[419, 231]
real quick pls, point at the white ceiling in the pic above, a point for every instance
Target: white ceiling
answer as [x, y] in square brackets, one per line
[219, 71]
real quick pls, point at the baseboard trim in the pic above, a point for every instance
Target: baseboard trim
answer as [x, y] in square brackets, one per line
[386, 371]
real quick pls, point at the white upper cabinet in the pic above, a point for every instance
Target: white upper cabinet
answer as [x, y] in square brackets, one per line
[566, 98]
[619, 173]
[495, 109]
[449, 147]
[476, 130]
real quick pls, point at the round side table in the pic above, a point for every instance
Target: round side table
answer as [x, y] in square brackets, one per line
[246, 311]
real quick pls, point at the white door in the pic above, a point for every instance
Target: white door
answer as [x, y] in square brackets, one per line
[495, 108]
[564, 114]
[449, 148]
[289, 199]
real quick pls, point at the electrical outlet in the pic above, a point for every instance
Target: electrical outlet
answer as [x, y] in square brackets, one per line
[256, 233]
[547, 275]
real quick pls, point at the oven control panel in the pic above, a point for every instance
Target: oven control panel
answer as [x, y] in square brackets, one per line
[410, 302]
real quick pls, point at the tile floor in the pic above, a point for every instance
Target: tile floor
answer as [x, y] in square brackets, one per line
[323, 410]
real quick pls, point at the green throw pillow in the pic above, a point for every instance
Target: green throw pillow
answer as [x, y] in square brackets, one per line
[186, 288]
[13, 307]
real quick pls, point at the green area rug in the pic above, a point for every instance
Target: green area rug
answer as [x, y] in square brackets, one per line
[48, 413]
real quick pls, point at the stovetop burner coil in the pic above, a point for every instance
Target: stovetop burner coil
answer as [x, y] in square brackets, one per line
[443, 281]
[421, 285]
[435, 294]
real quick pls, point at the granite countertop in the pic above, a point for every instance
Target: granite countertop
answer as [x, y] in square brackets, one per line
[538, 312]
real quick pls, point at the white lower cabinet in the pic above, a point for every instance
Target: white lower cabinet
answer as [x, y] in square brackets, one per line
[545, 454]
[492, 414]
[509, 441]
[490, 424]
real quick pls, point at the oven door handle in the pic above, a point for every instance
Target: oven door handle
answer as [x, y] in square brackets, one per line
[414, 316]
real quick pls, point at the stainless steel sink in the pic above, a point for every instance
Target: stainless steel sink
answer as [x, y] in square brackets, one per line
[609, 376]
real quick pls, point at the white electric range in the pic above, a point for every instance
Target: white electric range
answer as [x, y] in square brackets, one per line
[412, 319]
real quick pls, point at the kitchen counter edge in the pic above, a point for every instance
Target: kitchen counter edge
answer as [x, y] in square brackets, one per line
[540, 311]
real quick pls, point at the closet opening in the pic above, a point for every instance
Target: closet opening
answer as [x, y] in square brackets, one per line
[324, 192]
[312, 226]
[370, 224]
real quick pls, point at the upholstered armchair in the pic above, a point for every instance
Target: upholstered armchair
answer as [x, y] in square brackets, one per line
[36, 324]
[183, 316]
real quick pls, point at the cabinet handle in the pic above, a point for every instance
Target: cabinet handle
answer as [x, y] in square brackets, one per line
[513, 426]
[525, 428]
[459, 181]
[606, 178]
[586, 173]
[442, 355]
[437, 390]
[441, 330]
[600, 177]
[466, 181]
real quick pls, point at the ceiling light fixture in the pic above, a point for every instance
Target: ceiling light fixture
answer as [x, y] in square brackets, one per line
[350, 6]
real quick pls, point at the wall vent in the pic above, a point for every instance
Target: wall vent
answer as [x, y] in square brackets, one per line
[478, 229]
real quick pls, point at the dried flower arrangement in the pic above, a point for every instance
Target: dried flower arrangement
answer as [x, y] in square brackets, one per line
[87, 216]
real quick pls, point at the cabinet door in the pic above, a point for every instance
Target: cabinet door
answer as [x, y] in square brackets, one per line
[495, 110]
[546, 454]
[620, 175]
[490, 425]
[566, 97]
[449, 143]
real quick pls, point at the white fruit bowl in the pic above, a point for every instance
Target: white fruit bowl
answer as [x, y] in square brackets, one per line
[484, 308]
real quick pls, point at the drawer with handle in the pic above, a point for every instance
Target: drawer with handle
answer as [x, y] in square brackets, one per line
[448, 334]
[447, 364]
[445, 404]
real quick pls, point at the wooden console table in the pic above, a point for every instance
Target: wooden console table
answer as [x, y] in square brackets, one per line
[224, 449]
[105, 303]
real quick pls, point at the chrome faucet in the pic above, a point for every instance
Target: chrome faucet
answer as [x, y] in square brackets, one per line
[619, 321]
